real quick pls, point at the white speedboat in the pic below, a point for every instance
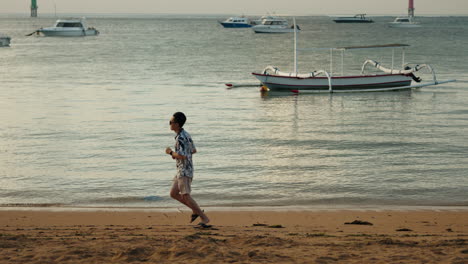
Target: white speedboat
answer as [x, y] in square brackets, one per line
[4, 41]
[274, 24]
[404, 22]
[322, 81]
[359, 18]
[236, 22]
[68, 28]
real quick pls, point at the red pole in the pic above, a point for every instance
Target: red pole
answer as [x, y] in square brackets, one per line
[411, 8]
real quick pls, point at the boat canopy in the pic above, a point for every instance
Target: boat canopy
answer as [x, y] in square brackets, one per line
[374, 46]
[75, 22]
[360, 47]
[69, 24]
[343, 49]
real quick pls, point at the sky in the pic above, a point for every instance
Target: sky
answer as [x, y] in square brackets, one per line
[246, 7]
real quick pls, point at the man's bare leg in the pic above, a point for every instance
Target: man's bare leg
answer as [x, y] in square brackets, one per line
[192, 204]
[175, 194]
[188, 201]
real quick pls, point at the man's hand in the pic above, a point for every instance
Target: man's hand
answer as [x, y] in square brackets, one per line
[168, 150]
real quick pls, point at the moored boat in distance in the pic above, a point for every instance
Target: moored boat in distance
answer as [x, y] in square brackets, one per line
[236, 22]
[259, 21]
[359, 18]
[404, 22]
[68, 28]
[408, 21]
[274, 24]
[4, 40]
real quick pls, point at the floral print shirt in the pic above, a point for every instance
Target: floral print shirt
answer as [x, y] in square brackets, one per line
[184, 146]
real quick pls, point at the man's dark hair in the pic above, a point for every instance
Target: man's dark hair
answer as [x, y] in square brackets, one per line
[180, 118]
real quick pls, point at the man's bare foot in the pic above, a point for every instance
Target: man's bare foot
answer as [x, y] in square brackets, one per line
[204, 218]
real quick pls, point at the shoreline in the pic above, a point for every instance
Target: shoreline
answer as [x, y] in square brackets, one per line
[340, 236]
[312, 208]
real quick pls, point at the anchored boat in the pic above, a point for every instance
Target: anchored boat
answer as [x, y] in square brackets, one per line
[274, 24]
[236, 22]
[322, 81]
[406, 22]
[359, 18]
[68, 28]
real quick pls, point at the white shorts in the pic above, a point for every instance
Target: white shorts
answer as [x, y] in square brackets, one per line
[184, 184]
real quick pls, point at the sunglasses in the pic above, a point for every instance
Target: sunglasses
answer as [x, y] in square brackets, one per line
[172, 122]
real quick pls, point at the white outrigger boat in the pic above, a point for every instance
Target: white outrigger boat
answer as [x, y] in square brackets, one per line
[322, 81]
[68, 28]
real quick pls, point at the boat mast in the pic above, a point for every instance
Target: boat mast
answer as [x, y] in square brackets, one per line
[34, 8]
[295, 45]
[411, 8]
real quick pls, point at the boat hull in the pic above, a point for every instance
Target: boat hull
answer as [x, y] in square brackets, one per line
[403, 25]
[261, 29]
[71, 32]
[235, 25]
[321, 84]
[353, 21]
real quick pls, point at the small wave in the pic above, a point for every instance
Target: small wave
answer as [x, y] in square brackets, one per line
[105, 202]
[124, 200]
[32, 205]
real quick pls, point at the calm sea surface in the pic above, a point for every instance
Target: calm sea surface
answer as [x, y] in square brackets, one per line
[84, 121]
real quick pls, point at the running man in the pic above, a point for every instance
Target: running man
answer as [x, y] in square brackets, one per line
[182, 187]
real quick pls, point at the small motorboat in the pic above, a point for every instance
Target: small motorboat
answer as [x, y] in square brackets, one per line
[359, 18]
[404, 22]
[322, 81]
[236, 22]
[274, 24]
[4, 40]
[68, 28]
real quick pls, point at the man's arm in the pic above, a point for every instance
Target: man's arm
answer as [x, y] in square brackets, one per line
[174, 154]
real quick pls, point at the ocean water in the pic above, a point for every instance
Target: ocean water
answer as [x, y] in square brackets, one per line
[84, 121]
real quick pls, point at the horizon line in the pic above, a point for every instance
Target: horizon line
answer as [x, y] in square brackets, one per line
[228, 14]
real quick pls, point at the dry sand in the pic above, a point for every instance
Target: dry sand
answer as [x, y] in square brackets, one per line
[236, 237]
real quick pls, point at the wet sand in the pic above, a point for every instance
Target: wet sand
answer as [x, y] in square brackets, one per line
[345, 236]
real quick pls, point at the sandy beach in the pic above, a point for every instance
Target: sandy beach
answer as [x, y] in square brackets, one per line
[345, 236]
